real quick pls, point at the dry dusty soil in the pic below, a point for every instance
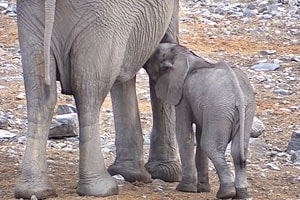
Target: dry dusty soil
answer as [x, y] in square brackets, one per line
[239, 49]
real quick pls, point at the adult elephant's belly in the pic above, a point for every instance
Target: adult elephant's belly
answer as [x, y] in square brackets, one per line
[143, 30]
[103, 39]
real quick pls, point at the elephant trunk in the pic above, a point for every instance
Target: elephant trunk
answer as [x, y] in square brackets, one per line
[49, 21]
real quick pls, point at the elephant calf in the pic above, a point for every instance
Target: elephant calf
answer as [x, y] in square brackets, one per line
[220, 101]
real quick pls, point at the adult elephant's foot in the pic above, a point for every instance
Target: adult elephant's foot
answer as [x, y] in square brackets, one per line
[203, 187]
[226, 191]
[99, 187]
[42, 189]
[186, 187]
[169, 171]
[130, 171]
[242, 193]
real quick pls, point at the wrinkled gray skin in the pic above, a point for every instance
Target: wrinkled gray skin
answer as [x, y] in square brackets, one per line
[93, 47]
[220, 101]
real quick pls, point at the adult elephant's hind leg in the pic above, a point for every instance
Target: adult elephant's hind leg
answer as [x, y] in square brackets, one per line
[163, 160]
[90, 90]
[129, 140]
[41, 100]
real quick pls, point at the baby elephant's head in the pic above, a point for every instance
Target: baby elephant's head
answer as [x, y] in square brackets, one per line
[163, 59]
[168, 66]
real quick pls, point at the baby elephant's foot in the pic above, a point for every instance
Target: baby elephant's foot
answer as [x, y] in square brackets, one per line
[186, 187]
[203, 187]
[226, 191]
[242, 193]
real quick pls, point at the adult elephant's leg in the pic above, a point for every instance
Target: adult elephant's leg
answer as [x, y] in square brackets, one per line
[129, 140]
[163, 160]
[90, 90]
[94, 180]
[41, 100]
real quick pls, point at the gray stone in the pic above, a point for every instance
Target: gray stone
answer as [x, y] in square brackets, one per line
[21, 96]
[33, 197]
[3, 6]
[294, 143]
[281, 91]
[6, 134]
[265, 67]
[258, 149]
[3, 123]
[119, 178]
[55, 145]
[268, 52]
[66, 109]
[64, 126]
[251, 6]
[295, 158]
[272, 166]
[249, 13]
[257, 128]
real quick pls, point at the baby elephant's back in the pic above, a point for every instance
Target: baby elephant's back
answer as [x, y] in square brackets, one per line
[245, 85]
[216, 86]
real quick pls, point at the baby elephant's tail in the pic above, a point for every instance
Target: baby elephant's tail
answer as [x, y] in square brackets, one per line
[242, 110]
[240, 103]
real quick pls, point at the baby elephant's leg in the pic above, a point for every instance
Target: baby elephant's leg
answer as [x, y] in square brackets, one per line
[186, 144]
[202, 165]
[240, 167]
[215, 136]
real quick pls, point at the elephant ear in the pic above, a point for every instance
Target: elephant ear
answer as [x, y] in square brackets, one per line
[169, 85]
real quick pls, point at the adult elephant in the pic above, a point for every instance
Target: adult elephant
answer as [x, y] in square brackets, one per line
[93, 47]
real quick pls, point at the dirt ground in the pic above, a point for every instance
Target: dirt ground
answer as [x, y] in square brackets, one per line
[276, 184]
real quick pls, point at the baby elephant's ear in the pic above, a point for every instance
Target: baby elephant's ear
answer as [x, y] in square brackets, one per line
[169, 85]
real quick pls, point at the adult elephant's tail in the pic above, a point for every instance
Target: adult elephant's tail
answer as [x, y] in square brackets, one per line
[49, 21]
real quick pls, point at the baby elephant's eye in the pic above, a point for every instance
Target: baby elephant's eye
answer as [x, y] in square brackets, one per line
[163, 69]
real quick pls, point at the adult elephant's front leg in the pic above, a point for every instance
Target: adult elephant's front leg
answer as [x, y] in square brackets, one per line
[129, 140]
[163, 161]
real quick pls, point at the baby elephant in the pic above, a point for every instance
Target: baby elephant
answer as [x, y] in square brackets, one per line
[220, 101]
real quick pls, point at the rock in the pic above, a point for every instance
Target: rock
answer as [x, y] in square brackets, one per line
[21, 140]
[64, 126]
[6, 134]
[294, 143]
[66, 109]
[296, 157]
[257, 128]
[268, 52]
[281, 91]
[33, 197]
[55, 145]
[21, 96]
[50, 162]
[265, 67]
[119, 178]
[257, 149]
[272, 166]
[3, 123]
[3, 6]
